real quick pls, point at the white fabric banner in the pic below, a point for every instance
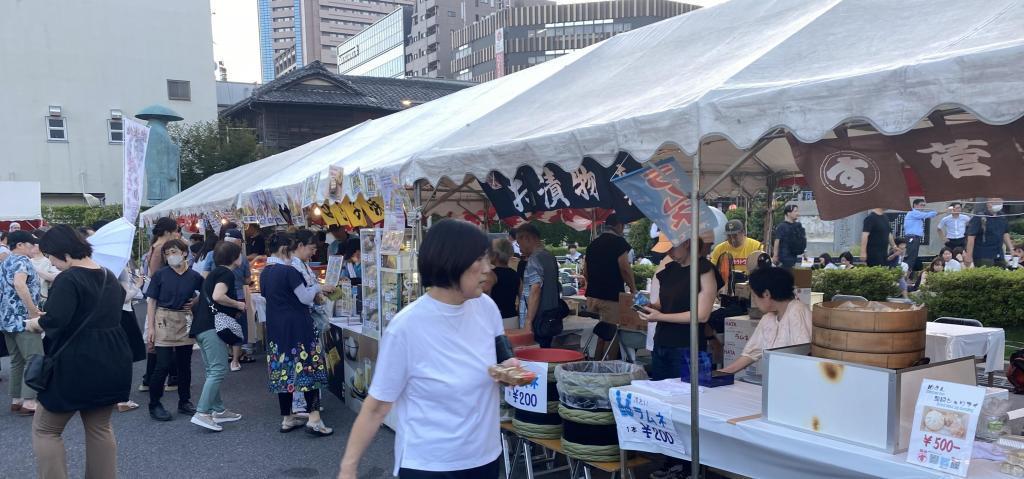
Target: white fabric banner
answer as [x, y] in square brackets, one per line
[136, 139]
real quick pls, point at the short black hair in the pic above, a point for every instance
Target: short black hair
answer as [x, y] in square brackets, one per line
[226, 253]
[612, 220]
[303, 237]
[848, 256]
[164, 225]
[336, 229]
[449, 248]
[85, 230]
[778, 282]
[278, 241]
[62, 242]
[529, 230]
[99, 224]
[351, 246]
[956, 204]
[919, 201]
[195, 237]
[789, 209]
[20, 236]
[174, 243]
[900, 240]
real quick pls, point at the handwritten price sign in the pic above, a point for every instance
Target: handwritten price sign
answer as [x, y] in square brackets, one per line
[532, 397]
[645, 423]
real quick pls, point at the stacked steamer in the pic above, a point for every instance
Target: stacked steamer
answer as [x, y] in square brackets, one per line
[588, 424]
[885, 335]
[547, 425]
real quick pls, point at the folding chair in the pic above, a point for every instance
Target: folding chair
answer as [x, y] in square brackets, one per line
[604, 331]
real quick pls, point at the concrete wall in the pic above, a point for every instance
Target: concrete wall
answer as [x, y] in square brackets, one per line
[89, 57]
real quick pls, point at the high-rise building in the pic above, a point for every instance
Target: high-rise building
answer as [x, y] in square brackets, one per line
[80, 73]
[294, 33]
[519, 37]
[428, 49]
[378, 51]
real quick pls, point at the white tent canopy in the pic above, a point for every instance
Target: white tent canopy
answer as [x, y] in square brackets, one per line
[722, 77]
[739, 70]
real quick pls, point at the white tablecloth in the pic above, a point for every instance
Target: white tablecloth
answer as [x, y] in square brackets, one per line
[756, 448]
[261, 307]
[952, 341]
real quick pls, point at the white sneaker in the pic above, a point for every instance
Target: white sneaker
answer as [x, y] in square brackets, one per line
[206, 421]
[226, 416]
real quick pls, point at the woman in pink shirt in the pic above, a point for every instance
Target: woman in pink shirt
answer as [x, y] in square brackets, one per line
[786, 321]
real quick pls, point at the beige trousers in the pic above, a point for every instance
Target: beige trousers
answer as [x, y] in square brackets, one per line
[100, 445]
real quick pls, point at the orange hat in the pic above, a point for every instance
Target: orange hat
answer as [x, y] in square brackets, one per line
[663, 246]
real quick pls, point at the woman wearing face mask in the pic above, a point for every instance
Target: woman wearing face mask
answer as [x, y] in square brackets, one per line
[172, 293]
[295, 358]
[987, 233]
[164, 230]
[433, 368]
[91, 356]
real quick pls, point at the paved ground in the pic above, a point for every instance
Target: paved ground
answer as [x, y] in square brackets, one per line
[250, 448]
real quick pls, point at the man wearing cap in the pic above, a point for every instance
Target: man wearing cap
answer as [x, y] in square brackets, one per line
[739, 246]
[606, 268]
[19, 301]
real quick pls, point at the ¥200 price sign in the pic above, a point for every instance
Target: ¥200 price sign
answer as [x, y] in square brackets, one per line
[645, 423]
[532, 397]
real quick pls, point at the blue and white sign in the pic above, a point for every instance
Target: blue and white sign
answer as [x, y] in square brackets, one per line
[644, 423]
[532, 397]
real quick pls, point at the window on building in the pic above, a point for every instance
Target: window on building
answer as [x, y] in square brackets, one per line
[179, 90]
[56, 128]
[451, 13]
[115, 130]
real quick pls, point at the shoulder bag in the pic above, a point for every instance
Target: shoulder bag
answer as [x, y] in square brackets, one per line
[39, 367]
[227, 327]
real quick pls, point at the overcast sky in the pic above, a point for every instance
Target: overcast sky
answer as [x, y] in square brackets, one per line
[236, 39]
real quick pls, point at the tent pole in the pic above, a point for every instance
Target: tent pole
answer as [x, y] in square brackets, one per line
[417, 232]
[694, 324]
[747, 156]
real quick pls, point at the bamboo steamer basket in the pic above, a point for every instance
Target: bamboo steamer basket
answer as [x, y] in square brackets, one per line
[888, 339]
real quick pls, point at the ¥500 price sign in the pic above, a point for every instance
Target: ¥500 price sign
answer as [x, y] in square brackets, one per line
[532, 397]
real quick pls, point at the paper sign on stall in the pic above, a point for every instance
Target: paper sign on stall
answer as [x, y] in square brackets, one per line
[532, 397]
[945, 419]
[334, 266]
[645, 424]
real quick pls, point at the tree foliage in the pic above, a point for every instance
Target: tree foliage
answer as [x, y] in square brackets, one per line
[639, 236]
[210, 147]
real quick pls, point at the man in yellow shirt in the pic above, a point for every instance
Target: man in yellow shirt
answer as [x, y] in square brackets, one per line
[738, 245]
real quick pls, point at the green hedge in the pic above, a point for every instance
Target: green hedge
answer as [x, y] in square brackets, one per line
[642, 273]
[80, 215]
[563, 251]
[991, 295]
[875, 284]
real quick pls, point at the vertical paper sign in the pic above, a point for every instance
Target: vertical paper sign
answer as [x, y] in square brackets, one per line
[136, 139]
[645, 424]
[334, 265]
[310, 190]
[532, 397]
[945, 419]
[394, 231]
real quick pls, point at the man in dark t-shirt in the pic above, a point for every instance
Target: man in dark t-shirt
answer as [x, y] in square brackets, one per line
[606, 269]
[876, 239]
[986, 234]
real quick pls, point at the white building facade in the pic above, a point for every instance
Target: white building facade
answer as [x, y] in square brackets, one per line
[76, 68]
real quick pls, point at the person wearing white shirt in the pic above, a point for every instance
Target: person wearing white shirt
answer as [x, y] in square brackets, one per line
[786, 321]
[951, 263]
[434, 369]
[953, 227]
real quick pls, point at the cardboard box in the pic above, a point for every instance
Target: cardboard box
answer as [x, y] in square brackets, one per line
[801, 277]
[743, 290]
[738, 330]
[628, 319]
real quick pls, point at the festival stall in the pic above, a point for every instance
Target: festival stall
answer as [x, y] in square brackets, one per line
[739, 95]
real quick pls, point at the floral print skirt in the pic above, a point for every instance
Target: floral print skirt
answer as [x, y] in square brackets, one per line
[301, 367]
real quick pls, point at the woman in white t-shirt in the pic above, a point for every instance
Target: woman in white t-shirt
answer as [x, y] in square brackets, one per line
[433, 369]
